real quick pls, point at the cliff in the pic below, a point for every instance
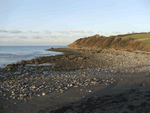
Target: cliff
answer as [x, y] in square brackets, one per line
[116, 42]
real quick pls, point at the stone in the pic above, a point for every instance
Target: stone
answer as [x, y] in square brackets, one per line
[70, 85]
[13, 97]
[65, 87]
[75, 85]
[43, 94]
[143, 84]
[106, 83]
[131, 107]
[9, 68]
[90, 91]
[61, 91]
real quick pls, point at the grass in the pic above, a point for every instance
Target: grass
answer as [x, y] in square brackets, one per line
[125, 41]
[138, 36]
[146, 41]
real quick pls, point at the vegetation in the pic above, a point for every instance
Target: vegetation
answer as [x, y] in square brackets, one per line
[131, 42]
[146, 41]
[139, 36]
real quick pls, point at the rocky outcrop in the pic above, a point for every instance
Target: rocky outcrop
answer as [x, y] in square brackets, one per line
[116, 42]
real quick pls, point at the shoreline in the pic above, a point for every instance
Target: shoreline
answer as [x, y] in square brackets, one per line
[10, 56]
[90, 79]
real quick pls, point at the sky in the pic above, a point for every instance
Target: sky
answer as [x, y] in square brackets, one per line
[61, 22]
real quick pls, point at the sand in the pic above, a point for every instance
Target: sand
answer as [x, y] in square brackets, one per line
[47, 101]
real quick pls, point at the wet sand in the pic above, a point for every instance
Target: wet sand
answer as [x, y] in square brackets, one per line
[46, 102]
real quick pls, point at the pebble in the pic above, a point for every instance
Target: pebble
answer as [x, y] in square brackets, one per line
[43, 94]
[90, 91]
[34, 85]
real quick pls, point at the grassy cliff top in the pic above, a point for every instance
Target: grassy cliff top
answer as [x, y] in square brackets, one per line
[131, 42]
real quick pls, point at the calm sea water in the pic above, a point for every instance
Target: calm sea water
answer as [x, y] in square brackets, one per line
[14, 54]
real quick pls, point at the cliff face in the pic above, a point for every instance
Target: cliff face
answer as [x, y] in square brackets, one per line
[115, 42]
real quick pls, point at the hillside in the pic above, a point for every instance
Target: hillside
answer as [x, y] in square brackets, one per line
[141, 37]
[116, 42]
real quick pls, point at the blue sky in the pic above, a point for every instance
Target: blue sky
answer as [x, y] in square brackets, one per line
[60, 22]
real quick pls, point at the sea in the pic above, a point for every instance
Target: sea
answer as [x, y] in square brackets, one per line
[14, 54]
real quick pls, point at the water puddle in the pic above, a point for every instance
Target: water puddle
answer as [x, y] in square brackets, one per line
[44, 64]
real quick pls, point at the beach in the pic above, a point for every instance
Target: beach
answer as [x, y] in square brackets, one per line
[79, 77]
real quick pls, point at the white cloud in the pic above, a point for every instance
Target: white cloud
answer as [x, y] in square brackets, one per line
[54, 36]
[33, 31]
[77, 31]
[78, 36]
[36, 37]
[22, 36]
[5, 36]
[106, 33]
[15, 31]
[62, 32]
[3, 31]
[59, 41]
[116, 32]
[47, 31]
[90, 32]
[63, 36]
[46, 36]
[100, 32]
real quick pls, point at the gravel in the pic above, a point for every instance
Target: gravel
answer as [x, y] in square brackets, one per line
[27, 83]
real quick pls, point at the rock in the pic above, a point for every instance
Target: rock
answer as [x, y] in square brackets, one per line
[43, 94]
[75, 85]
[143, 84]
[13, 97]
[21, 96]
[22, 65]
[90, 91]
[22, 62]
[106, 83]
[31, 62]
[33, 87]
[80, 58]
[131, 107]
[9, 68]
[71, 85]
[65, 87]
[93, 82]
[103, 80]
[36, 62]
[143, 103]
[10, 65]
[61, 91]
